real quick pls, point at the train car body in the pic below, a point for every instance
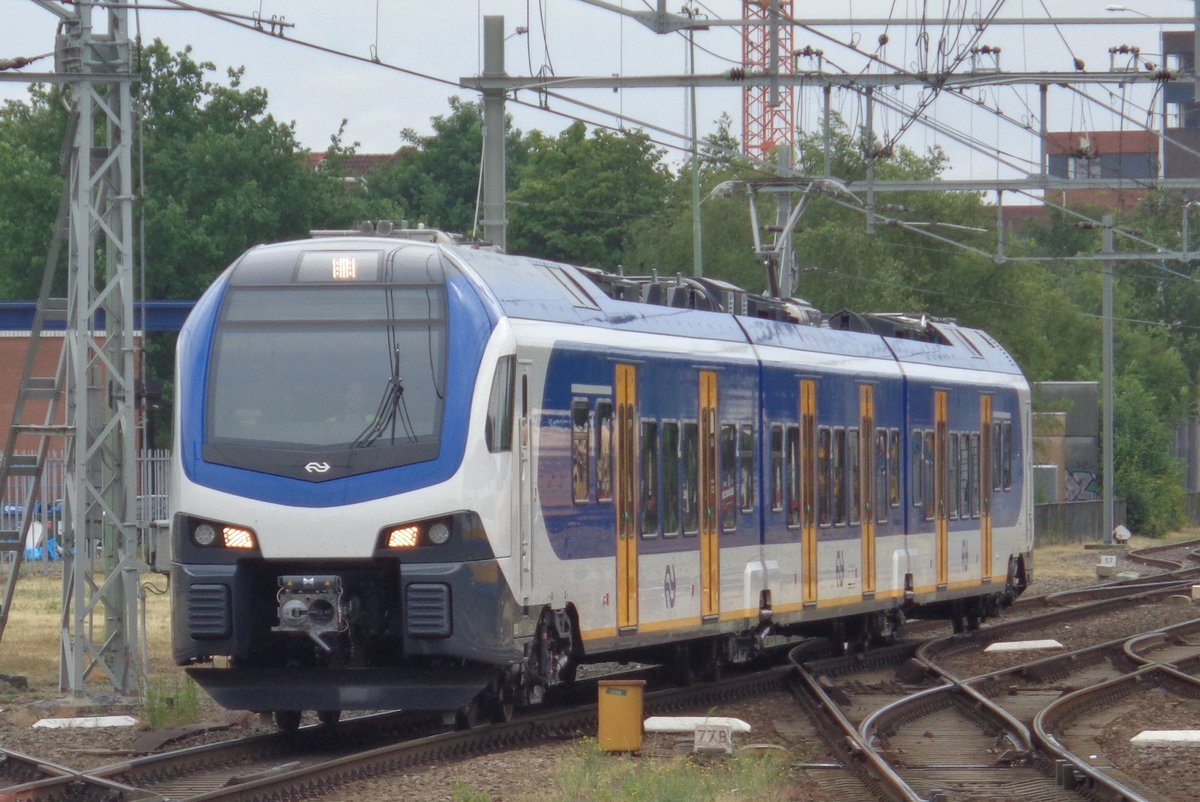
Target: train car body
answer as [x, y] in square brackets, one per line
[425, 475]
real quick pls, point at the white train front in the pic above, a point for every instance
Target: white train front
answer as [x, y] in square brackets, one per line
[412, 473]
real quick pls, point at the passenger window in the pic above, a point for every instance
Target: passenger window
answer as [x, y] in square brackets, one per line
[499, 426]
[746, 458]
[1007, 459]
[916, 470]
[649, 478]
[729, 505]
[604, 439]
[964, 475]
[838, 471]
[928, 461]
[776, 467]
[953, 485]
[894, 467]
[881, 475]
[691, 479]
[581, 436]
[853, 475]
[824, 476]
[997, 453]
[670, 489]
[973, 484]
[794, 499]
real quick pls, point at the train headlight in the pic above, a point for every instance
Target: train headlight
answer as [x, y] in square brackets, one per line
[439, 533]
[214, 535]
[204, 535]
[237, 538]
[404, 537]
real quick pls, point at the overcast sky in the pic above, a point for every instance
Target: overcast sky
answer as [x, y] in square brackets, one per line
[317, 90]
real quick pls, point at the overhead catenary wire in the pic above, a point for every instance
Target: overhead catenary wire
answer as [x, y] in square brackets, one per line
[682, 146]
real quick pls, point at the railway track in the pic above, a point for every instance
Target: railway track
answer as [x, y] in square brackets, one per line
[922, 733]
[887, 716]
[307, 764]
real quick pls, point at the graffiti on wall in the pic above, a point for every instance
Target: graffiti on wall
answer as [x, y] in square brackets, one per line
[1082, 486]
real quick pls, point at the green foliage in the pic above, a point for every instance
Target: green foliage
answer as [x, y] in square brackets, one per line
[221, 174]
[435, 178]
[579, 195]
[31, 136]
[465, 793]
[597, 776]
[1147, 476]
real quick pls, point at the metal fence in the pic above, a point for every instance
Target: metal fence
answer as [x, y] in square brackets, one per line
[151, 501]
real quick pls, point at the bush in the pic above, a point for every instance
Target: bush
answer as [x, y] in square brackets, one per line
[1148, 477]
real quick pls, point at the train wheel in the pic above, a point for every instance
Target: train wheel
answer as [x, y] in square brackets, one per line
[974, 616]
[467, 716]
[683, 665]
[329, 717]
[500, 707]
[958, 618]
[716, 661]
[287, 720]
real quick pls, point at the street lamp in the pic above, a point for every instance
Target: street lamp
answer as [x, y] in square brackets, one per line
[1115, 7]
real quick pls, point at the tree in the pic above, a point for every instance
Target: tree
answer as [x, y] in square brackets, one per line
[663, 242]
[1147, 476]
[221, 174]
[435, 178]
[31, 136]
[579, 196]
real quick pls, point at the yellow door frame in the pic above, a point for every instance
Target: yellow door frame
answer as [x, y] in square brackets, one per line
[941, 469]
[808, 485]
[710, 553]
[985, 487]
[866, 468]
[627, 496]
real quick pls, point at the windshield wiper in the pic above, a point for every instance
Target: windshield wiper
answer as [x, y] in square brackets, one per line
[391, 408]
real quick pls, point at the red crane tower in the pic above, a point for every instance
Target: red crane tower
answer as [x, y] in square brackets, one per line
[768, 112]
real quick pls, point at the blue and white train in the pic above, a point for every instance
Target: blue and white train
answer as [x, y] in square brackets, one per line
[415, 473]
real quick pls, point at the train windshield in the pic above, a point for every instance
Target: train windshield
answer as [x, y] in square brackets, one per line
[326, 370]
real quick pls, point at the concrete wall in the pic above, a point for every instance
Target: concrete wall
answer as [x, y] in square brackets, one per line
[1073, 522]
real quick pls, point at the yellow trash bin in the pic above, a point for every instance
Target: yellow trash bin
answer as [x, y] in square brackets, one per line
[620, 714]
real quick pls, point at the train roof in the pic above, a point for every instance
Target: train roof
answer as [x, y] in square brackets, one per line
[684, 306]
[538, 289]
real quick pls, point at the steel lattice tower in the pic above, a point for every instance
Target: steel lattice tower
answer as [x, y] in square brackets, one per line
[768, 112]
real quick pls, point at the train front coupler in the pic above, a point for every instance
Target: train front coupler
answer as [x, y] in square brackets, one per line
[312, 606]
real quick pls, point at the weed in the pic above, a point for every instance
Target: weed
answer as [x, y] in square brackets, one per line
[465, 793]
[597, 776]
[169, 703]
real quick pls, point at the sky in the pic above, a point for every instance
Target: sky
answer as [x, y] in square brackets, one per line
[316, 90]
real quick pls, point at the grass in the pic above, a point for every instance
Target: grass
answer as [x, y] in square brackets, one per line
[171, 702]
[31, 638]
[596, 776]
[1073, 561]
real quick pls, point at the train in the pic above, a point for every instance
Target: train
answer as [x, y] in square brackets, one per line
[413, 472]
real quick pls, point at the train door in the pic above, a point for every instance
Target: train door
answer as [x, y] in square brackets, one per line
[808, 483]
[626, 497]
[710, 554]
[985, 487]
[524, 489]
[866, 442]
[941, 467]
